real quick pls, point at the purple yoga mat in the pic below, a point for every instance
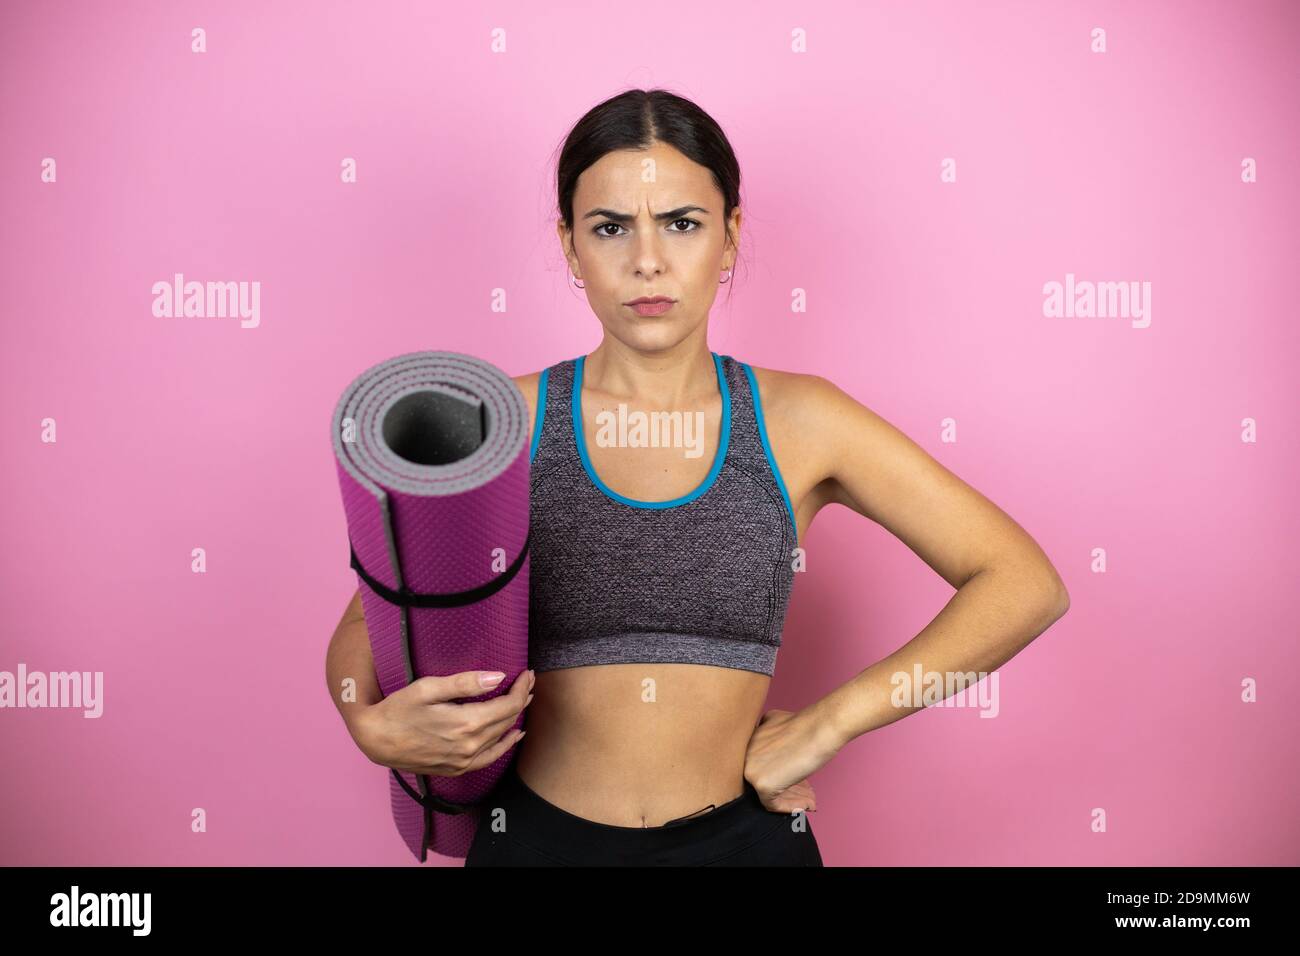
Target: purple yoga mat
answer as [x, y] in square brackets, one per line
[432, 454]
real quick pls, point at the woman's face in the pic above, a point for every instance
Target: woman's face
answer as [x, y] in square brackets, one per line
[649, 223]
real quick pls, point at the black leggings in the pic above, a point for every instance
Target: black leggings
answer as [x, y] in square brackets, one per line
[534, 832]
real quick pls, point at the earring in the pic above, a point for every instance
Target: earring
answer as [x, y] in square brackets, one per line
[726, 280]
[576, 281]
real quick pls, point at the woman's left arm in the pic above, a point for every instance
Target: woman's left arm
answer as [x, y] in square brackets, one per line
[1007, 594]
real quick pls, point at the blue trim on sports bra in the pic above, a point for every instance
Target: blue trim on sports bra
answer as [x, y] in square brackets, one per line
[767, 447]
[541, 413]
[718, 457]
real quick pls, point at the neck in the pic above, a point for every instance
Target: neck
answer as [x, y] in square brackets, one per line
[672, 377]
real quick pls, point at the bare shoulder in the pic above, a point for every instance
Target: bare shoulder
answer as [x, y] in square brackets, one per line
[849, 455]
[792, 393]
[840, 449]
[528, 385]
[807, 416]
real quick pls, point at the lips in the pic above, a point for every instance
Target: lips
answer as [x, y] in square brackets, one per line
[651, 305]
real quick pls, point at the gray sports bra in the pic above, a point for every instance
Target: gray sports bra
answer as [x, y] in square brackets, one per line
[701, 579]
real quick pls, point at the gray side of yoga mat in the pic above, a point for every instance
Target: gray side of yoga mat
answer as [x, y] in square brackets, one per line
[476, 416]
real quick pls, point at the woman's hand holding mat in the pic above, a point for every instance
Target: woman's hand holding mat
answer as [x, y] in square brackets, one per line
[420, 730]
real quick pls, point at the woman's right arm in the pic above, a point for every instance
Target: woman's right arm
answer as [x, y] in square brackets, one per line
[349, 657]
[419, 728]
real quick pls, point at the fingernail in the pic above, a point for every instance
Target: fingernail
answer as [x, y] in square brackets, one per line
[491, 678]
[529, 700]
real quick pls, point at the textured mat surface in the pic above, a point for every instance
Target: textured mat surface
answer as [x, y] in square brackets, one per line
[432, 454]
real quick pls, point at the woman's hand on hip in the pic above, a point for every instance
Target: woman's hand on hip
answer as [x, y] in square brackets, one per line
[784, 750]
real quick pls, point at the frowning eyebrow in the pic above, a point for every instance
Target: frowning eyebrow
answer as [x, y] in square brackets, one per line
[659, 217]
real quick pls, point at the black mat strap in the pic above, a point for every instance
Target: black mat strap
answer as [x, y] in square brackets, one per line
[432, 801]
[405, 597]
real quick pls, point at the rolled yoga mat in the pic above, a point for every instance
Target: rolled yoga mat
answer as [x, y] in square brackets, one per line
[432, 455]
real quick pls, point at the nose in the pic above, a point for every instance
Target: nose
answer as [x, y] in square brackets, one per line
[647, 255]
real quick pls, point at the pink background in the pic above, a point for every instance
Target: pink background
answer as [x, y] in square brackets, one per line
[925, 302]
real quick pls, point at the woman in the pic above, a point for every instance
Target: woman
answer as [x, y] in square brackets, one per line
[661, 571]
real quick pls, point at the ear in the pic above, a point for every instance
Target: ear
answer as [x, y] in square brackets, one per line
[733, 231]
[566, 243]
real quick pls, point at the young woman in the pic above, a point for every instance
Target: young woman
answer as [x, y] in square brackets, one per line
[660, 573]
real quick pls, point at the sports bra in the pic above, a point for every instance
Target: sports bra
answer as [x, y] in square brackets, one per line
[704, 578]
